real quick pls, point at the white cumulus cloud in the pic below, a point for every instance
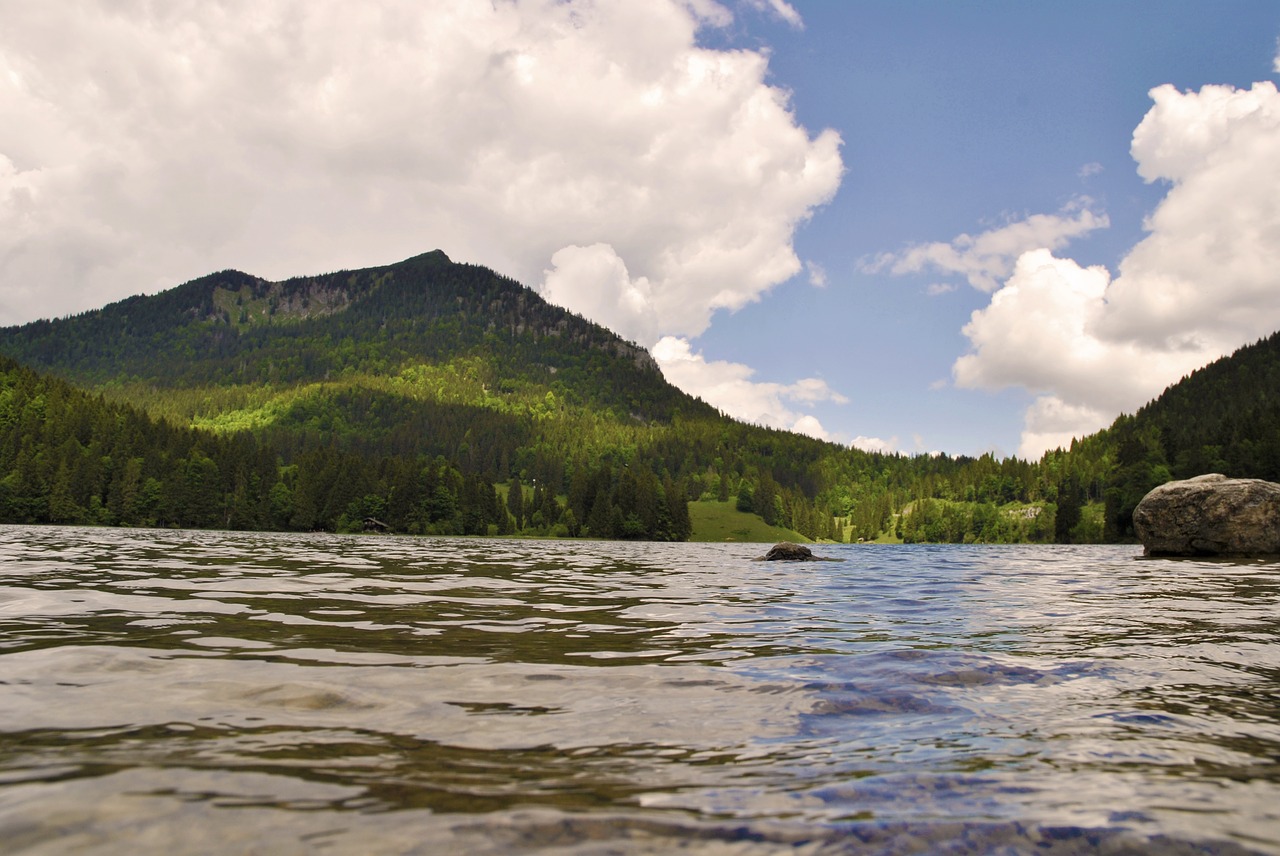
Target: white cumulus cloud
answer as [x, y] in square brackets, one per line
[1051, 423]
[875, 444]
[143, 144]
[593, 150]
[809, 425]
[595, 282]
[1040, 333]
[728, 386]
[1202, 283]
[987, 258]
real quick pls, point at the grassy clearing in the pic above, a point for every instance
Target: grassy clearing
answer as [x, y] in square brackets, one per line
[721, 521]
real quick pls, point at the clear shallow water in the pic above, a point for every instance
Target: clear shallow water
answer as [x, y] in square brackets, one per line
[169, 692]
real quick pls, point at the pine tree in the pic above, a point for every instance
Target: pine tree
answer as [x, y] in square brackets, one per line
[515, 501]
[1068, 513]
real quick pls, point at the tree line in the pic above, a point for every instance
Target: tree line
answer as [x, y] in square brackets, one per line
[70, 457]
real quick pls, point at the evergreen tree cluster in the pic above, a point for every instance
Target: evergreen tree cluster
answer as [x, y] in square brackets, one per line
[70, 457]
[940, 522]
[1223, 418]
[335, 461]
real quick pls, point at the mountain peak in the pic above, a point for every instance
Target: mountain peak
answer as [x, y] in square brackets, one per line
[435, 257]
[234, 329]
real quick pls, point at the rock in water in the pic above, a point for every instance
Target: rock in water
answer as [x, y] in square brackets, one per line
[1210, 516]
[788, 552]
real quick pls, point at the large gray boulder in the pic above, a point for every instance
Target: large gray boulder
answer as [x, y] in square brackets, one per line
[1210, 516]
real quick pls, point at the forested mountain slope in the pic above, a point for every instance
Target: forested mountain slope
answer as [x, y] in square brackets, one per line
[230, 329]
[67, 456]
[1223, 418]
[441, 365]
[444, 398]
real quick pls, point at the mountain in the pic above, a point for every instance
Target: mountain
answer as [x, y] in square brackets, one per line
[233, 329]
[437, 367]
[434, 397]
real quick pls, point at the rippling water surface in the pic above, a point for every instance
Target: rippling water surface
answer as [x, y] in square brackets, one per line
[170, 692]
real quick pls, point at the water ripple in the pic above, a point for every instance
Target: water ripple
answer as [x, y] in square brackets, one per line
[373, 693]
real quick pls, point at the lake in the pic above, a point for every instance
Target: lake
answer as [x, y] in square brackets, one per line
[213, 692]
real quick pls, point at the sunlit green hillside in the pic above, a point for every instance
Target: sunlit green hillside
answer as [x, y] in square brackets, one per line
[721, 521]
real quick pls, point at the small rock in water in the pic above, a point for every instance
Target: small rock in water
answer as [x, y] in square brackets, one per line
[1210, 515]
[785, 551]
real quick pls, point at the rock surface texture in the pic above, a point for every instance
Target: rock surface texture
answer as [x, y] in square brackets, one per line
[785, 551]
[788, 552]
[1210, 516]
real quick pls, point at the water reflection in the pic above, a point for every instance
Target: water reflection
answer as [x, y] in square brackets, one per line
[357, 692]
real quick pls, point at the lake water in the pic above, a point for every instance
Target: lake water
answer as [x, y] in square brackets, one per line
[209, 692]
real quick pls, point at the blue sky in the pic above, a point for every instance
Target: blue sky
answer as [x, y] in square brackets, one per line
[957, 117]
[918, 226]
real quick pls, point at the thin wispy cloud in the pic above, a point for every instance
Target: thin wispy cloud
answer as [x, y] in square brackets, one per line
[782, 9]
[987, 258]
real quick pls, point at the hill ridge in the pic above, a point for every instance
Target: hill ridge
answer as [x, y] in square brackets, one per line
[233, 327]
[324, 396]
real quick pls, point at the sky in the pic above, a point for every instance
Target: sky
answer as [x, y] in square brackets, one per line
[928, 226]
